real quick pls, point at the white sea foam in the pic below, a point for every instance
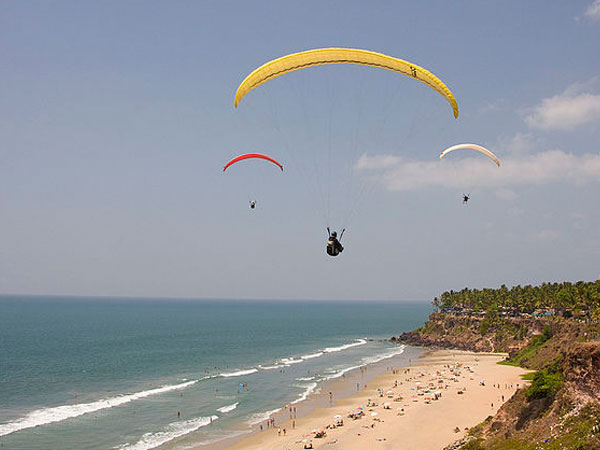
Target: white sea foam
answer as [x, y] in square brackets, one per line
[309, 389]
[226, 409]
[342, 372]
[289, 361]
[285, 362]
[314, 355]
[261, 417]
[239, 373]
[172, 431]
[390, 354]
[345, 347]
[271, 367]
[368, 360]
[45, 416]
[305, 378]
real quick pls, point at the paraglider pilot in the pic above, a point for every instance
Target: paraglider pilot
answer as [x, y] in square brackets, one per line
[465, 199]
[252, 204]
[334, 247]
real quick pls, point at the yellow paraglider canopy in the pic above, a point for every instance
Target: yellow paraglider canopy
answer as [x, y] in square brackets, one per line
[322, 56]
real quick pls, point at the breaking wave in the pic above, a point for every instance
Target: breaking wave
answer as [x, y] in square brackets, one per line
[345, 347]
[226, 409]
[45, 416]
[172, 431]
[261, 417]
[239, 373]
[309, 390]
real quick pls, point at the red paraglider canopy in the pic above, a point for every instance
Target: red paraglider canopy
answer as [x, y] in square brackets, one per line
[252, 155]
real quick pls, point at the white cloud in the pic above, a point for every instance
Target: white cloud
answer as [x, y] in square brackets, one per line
[377, 162]
[551, 166]
[566, 111]
[546, 235]
[593, 10]
[521, 143]
[563, 112]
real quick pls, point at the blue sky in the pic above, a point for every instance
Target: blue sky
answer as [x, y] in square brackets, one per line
[117, 117]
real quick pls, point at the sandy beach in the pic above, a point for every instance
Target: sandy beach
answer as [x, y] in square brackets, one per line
[424, 406]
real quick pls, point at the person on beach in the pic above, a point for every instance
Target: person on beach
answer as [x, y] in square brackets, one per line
[334, 247]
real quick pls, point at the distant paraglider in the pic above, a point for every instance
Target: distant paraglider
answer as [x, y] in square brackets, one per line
[246, 156]
[252, 156]
[477, 148]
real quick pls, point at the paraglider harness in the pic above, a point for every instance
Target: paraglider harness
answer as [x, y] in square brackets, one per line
[334, 247]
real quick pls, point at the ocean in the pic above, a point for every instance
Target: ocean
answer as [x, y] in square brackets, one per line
[110, 373]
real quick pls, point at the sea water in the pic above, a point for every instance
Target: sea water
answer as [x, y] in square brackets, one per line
[98, 373]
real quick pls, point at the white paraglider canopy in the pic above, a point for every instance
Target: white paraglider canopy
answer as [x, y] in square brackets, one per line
[475, 147]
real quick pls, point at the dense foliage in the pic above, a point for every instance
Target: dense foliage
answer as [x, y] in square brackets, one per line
[546, 382]
[568, 298]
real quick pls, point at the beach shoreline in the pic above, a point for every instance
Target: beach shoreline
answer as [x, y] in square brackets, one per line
[342, 387]
[404, 413]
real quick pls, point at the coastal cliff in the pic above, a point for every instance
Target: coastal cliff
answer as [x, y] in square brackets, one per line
[560, 408]
[467, 333]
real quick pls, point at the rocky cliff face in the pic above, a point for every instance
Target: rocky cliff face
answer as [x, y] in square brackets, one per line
[510, 335]
[582, 372]
[474, 333]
